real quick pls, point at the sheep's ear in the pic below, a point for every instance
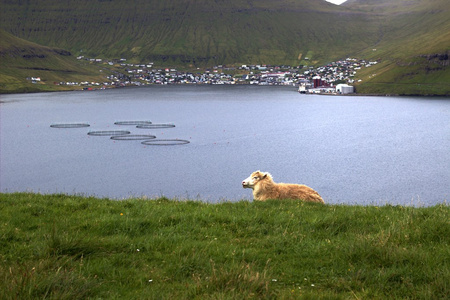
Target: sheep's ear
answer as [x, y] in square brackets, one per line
[264, 176]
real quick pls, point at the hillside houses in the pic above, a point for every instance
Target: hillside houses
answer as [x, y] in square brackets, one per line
[323, 79]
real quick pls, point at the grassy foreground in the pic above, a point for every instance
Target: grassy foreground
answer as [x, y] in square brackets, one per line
[72, 247]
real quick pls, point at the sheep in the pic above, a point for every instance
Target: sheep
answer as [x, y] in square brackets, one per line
[265, 188]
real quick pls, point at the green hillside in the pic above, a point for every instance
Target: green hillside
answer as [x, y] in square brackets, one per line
[413, 49]
[193, 32]
[409, 38]
[21, 60]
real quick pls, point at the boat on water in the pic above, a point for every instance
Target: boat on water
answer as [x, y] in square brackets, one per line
[302, 89]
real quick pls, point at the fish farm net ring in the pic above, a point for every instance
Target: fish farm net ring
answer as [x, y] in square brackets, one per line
[155, 126]
[132, 123]
[70, 125]
[160, 142]
[133, 137]
[110, 133]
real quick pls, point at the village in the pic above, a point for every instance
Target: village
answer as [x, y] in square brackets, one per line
[333, 78]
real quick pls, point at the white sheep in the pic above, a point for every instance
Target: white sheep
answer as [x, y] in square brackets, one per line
[265, 188]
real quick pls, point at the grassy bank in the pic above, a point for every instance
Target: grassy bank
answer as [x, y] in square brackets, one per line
[70, 247]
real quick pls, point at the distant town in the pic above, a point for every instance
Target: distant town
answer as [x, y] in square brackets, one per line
[333, 78]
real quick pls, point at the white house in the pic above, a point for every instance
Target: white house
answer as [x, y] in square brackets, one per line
[344, 88]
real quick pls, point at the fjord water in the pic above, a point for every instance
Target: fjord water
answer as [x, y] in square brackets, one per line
[352, 150]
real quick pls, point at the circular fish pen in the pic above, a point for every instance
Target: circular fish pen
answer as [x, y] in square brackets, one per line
[133, 137]
[165, 142]
[108, 132]
[70, 125]
[155, 126]
[132, 123]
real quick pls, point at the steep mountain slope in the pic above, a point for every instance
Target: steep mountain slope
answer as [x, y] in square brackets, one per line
[408, 27]
[200, 32]
[413, 49]
[20, 59]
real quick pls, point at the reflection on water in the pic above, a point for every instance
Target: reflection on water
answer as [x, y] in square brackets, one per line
[357, 150]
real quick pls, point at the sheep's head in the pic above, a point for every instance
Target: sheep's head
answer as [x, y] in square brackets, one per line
[253, 179]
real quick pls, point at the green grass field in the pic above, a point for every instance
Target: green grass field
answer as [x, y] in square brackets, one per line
[73, 247]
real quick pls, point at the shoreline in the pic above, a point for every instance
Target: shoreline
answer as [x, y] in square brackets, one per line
[26, 91]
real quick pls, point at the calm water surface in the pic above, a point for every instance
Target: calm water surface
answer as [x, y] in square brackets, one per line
[353, 150]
